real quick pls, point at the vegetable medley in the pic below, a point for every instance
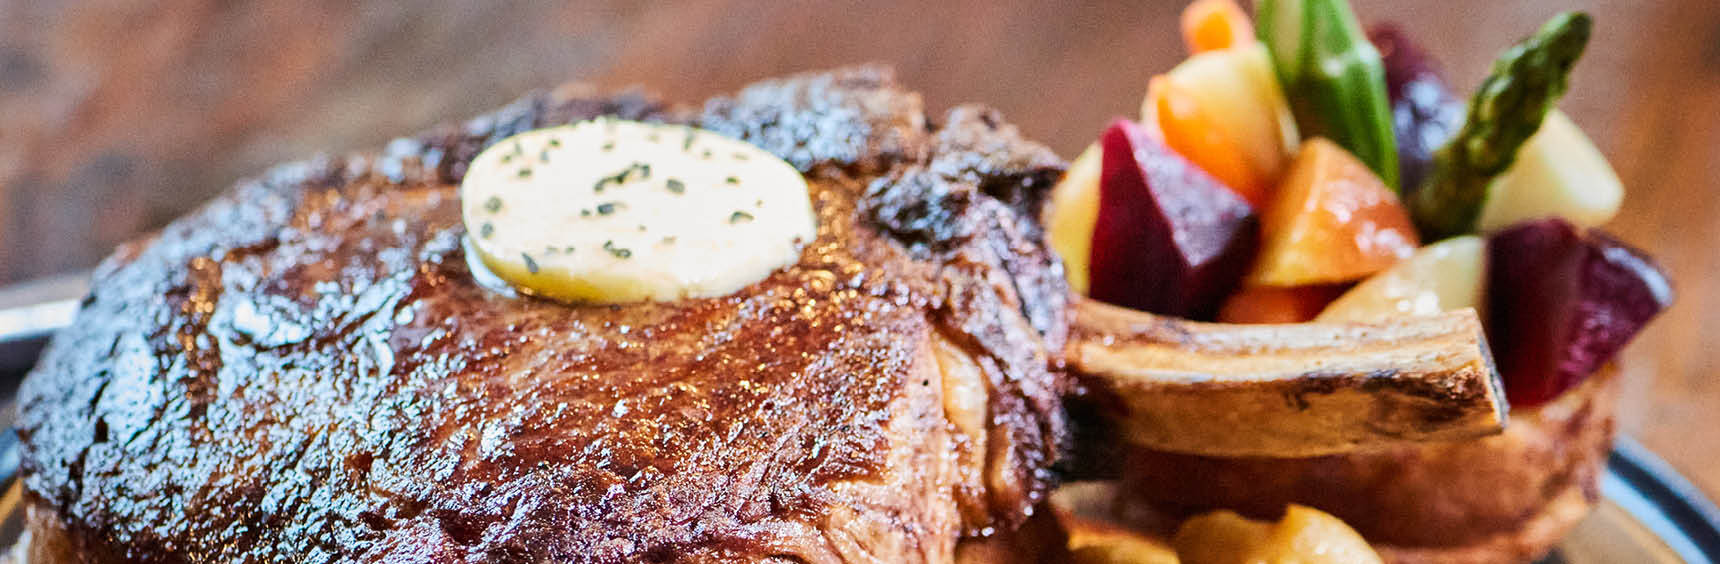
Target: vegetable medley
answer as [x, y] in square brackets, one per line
[1298, 167]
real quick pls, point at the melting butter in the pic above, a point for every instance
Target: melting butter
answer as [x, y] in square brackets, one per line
[613, 211]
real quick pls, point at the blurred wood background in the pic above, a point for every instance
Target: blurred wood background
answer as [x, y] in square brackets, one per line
[118, 115]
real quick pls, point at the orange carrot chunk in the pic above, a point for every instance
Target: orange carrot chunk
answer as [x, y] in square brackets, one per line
[1209, 25]
[1272, 304]
[1330, 220]
[1194, 134]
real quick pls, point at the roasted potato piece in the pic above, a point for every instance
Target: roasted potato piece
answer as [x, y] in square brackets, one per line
[1303, 536]
[1097, 532]
[1116, 546]
[1103, 527]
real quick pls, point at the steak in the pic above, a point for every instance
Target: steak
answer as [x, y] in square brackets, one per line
[304, 370]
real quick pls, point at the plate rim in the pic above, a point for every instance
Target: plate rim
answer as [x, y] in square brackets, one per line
[1663, 500]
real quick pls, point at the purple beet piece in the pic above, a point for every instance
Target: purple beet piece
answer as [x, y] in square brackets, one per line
[1424, 112]
[1169, 238]
[1561, 303]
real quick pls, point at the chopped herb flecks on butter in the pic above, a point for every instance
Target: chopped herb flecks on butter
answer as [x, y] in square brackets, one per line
[671, 222]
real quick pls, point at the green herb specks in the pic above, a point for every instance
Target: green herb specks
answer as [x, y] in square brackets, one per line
[617, 252]
[643, 170]
[627, 199]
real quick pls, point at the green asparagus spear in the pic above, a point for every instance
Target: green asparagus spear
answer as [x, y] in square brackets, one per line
[1333, 78]
[1527, 81]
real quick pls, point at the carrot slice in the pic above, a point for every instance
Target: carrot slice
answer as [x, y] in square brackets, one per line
[1209, 25]
[1189, 131]
[1272, 304]
[1331, 220]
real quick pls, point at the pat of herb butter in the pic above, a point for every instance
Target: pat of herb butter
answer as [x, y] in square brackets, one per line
[613, 211]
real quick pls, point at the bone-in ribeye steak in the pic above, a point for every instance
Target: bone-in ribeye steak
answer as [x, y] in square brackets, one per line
[304, 369]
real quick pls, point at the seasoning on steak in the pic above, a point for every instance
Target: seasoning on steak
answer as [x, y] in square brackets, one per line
[304, 370]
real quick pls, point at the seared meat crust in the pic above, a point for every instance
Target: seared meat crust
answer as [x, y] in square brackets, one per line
[304, 369]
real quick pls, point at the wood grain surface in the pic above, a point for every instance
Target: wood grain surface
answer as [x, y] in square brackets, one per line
[117, 115]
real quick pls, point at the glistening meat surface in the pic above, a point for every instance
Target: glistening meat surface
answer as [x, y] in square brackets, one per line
[304, 369]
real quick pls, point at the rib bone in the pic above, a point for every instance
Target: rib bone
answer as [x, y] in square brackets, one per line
[1287, 390]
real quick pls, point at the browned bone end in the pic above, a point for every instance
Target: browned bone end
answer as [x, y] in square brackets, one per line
[1287, 390]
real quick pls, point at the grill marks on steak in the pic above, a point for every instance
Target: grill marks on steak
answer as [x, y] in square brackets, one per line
[303, 370]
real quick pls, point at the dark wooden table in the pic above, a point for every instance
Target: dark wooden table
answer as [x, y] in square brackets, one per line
[117, 115]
